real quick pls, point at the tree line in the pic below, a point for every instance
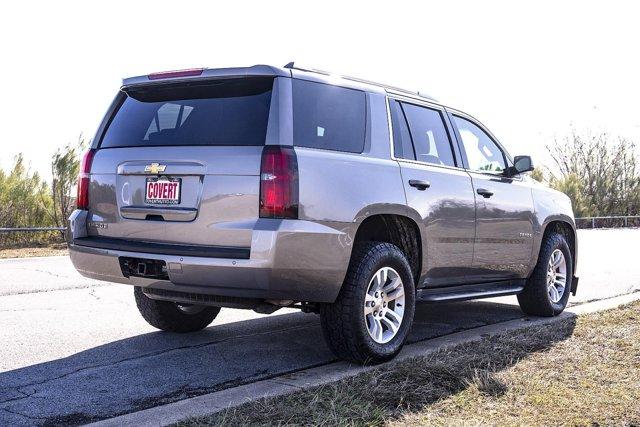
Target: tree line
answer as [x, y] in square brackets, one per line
[600, 174]
[28, 200]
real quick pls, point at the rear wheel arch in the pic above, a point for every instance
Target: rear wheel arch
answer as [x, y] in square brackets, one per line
[399, 230]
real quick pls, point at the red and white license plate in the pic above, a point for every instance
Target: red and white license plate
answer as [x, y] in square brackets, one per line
[163, 191]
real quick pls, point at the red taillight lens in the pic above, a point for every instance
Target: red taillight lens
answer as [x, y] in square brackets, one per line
[278, 182]
[82, 200]
[176, 73]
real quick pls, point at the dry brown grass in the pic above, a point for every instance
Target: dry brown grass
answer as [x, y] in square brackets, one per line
[583, 371]
[44, 250]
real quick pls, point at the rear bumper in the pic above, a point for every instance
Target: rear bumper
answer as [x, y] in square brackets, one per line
[163, 248]
[288, 260]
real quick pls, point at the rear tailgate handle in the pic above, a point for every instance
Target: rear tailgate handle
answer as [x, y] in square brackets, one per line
[167, 214]
[419, 184]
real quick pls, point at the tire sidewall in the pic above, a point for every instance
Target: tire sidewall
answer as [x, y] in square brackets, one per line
[396, 260]
[166, 315]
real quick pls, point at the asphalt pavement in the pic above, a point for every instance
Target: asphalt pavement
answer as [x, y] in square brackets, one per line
[74, 350]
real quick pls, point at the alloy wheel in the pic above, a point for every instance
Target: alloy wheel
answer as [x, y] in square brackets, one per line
[557, 276]
[384, 305]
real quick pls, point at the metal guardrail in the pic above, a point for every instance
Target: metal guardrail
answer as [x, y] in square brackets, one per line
[626, 220]
[31, 229]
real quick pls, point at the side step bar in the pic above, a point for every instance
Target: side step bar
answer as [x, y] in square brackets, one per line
[471, 291]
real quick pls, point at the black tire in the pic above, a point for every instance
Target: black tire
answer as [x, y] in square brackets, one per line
[167, 316]
[535, 300]
[343, 322]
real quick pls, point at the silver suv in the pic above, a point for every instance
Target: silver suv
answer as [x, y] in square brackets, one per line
[267, 187]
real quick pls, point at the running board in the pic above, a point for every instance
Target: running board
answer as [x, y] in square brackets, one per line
[472, 291]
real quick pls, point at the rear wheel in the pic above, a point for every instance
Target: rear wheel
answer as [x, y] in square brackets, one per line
[174, 317]
[547, 290]
[370, 320]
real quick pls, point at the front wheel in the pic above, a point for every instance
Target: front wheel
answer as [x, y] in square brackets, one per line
[371, 318]
[546, 292]
[174, 317]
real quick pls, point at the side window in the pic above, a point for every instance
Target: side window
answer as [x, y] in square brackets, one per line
[483, 154]
[402, 146]
[429, 134]
[328, 117]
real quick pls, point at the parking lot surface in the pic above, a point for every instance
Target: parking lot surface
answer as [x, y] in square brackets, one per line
[75, 350]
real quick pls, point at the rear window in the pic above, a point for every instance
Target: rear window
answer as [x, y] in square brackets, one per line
[328, 117]
[224, 112]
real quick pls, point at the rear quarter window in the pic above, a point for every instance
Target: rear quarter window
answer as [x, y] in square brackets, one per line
[328, 117]
[223, 112]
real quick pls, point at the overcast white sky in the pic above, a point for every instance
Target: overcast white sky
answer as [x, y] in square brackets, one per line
[526, 71]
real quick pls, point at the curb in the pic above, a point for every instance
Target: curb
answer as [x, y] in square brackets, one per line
[218, 401]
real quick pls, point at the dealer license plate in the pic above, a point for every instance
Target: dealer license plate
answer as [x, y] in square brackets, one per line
[163, 191]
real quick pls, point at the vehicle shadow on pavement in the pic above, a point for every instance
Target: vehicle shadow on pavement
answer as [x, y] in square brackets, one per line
[156, 368]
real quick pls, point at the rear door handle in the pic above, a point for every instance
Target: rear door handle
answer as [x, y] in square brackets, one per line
[484, 192]
[419, 184]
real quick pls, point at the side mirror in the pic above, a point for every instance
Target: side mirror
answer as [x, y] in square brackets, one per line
[521, 164]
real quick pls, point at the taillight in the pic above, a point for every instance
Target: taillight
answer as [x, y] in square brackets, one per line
[278, 182]
[82, 200]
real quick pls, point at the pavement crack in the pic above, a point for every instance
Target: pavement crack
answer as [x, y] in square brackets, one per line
[24, 395]
[50, 273]
[92, 293]
[20, 414]
[71, 287]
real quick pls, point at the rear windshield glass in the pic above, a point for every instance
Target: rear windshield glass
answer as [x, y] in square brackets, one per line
[328, 117]
[226, 112]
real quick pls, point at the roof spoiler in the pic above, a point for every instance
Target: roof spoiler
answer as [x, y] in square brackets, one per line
[204, 74]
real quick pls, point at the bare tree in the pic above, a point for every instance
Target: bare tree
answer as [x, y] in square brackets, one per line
[599, 172]
[65, 166]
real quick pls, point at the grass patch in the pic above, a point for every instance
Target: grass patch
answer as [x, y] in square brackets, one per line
[583, 371]
[50, 249]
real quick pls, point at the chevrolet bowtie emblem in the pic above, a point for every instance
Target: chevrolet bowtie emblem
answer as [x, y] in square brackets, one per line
[155, 168]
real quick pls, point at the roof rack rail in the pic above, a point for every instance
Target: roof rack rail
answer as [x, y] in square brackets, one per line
[389, 88]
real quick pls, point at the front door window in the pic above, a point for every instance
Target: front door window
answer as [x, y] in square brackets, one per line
[483, 155]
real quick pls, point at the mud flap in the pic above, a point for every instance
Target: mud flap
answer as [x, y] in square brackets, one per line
[574, 286]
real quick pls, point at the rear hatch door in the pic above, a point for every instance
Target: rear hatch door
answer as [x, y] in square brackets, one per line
[180, 163]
